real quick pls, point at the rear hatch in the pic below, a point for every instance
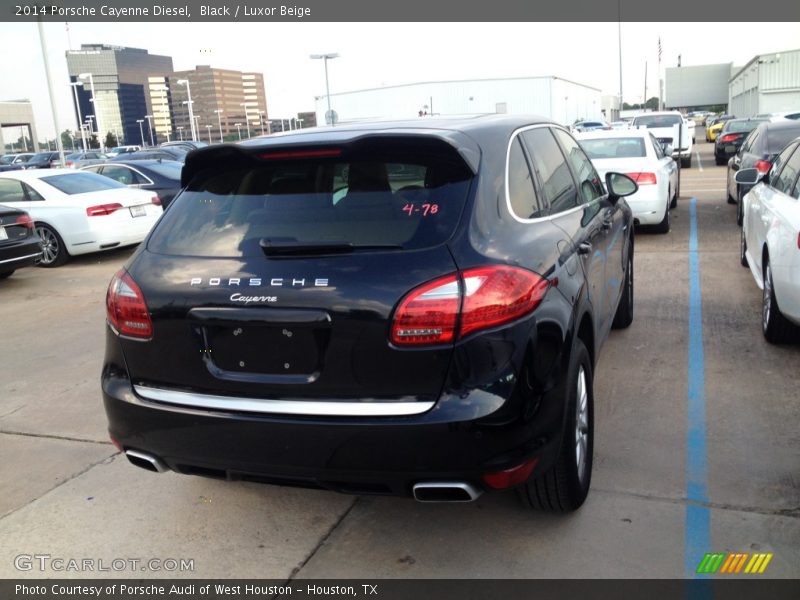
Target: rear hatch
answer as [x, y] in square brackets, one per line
[276, 272]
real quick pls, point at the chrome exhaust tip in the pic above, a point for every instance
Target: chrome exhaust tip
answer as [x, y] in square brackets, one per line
[146, 461]
[446, 491]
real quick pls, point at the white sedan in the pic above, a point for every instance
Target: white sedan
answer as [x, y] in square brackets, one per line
[78, 212]
[770, 241]
[639, 155]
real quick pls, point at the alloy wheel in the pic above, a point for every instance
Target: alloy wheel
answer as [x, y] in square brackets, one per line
[581, 424]
[50, 245]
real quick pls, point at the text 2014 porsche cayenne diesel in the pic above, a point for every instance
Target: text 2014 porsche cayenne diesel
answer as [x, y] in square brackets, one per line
[410, 308]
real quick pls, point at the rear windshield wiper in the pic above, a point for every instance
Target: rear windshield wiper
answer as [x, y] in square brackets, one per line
[285, 247]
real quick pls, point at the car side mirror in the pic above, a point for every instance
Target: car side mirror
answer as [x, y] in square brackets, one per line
[619, 185]
[749, 176]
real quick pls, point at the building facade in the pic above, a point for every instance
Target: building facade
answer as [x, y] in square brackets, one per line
[697, 87]
[17, 127]
[562, 100]
[768, 83]
[221, 99]
[121, 88]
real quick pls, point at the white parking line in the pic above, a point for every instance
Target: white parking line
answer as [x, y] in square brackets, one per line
[699, 162]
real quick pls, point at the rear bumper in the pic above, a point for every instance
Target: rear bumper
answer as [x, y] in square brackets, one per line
[20, 255]
[648, 205]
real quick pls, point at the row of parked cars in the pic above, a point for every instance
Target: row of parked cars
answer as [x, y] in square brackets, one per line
[99, 202]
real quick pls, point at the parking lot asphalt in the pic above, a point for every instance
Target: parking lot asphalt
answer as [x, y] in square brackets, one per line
[697, 446]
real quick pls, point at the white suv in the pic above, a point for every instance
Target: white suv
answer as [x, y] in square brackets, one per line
[663, 126]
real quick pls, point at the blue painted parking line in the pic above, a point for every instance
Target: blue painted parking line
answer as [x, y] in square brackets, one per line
[698, 518]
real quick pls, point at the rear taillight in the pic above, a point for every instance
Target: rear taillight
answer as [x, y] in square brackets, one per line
[102, 209]
[728, 138]
[126, 310]
[643, 178]
[763, 166]
[156, 200]
[25, 221]
[69, 164]
[447, 309]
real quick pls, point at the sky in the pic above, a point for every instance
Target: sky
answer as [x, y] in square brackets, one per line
[378, 54]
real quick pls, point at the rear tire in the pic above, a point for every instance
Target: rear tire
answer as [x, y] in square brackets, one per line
[565, 486]
[777, 329]
[54, 251]
[686, 163]
[740, 208]
[6, 275]
[674, 202]
[663, 226]
[624, 315]
[743, 249]
[719, 161]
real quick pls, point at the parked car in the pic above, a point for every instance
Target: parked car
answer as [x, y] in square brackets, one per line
[19, 245]
[770, 241]
[692, 126]
[122, 150]
[297, 330]
[76, 160]
[15, 159]
[42, 160]
[170, 154]
[77, 212]
[620, 125]
[187, 145]
[160, 177]
[758, 151]
[589, 125]
[638, 154]
[731, 137]
[663, 126]
[713, 128]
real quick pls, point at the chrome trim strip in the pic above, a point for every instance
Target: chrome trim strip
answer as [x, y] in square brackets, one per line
[8, 260]
[284, 407]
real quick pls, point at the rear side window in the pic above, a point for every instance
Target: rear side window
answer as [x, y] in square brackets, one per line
[785, 180]
[81, 183]
[778, 163]
[552, 169]
[521, 192]
[588, 181]
[402, 194]
[780, 138]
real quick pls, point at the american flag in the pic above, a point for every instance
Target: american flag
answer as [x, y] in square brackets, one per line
[659, 48]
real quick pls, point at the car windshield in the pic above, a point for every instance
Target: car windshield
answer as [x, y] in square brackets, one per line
[627, 147]
[169, 169]
[739, 126]
[654, 121]
[81, 183]
[6, 159]
[42, 156]
[382, 196]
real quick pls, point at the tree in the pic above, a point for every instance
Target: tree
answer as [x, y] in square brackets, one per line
[93, 143]
[111, 140]
[66, 140]
[652, 103]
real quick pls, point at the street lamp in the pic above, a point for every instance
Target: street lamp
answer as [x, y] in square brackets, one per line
[90, 77]
[90, 122]
[326, 57]
[219, 121]
[180, 132]
[197, 126]
[246, 118]
[74, 85]
[189, 102]
[239, 130]
[209, 127]
[150, 127]
[261, 120]
[141, 131]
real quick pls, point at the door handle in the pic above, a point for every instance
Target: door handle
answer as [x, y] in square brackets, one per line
[584, 248]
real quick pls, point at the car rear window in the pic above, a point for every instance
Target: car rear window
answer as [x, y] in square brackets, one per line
[657, 121]
[407, 196]
[739, 126]
[778, 139]
[170, 170]
[628, 147]
[81, 183]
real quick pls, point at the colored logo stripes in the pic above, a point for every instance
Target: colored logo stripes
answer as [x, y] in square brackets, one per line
[734, 563]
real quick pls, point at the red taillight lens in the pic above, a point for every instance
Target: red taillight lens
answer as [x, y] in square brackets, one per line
[102, 209]
[156, 200]
[492, 296]
[428, 314]
[126, 310]
[497, 295]
[763, 166]
[727, 138]
[501, 480]
[643, 178]
[25, 221]
[68, 164]
[323, 153]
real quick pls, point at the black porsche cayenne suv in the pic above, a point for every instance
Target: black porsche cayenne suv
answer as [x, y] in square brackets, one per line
[411, 308]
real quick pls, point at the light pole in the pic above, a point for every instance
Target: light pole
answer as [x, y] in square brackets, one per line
[269, 127]
[90, 122]
[189, 102]
[325, 58]
[180, 132]
[150, 127]
[239, 130]
[246, 118]
[74, 85]
[141, 131]
[90, 77]
[209, 127]
[197, 126]
[300, 123]
[261, 120]
[219, 122]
